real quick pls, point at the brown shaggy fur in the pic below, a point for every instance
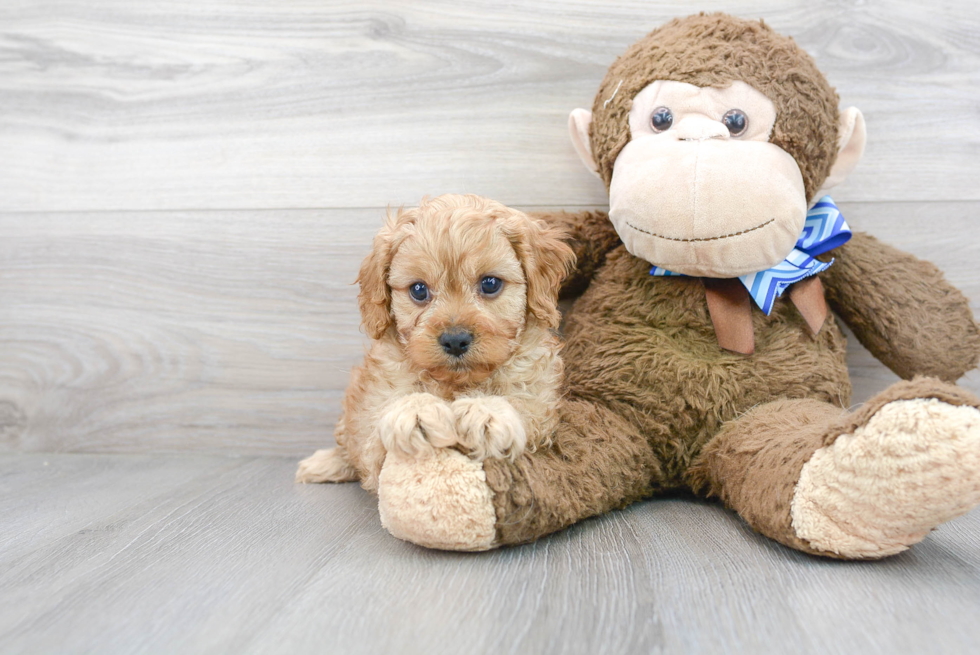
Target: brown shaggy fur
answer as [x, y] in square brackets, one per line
[645, 347]
[753, 464]
[715, 50]
[906, 330]
[597, 461]
[653, 403]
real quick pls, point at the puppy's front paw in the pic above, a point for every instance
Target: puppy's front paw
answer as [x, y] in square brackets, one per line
[489, 427]
[416, 423]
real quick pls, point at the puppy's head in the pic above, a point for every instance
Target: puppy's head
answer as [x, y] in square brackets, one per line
[458, 280]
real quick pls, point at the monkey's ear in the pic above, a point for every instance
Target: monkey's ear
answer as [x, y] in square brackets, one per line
[850, 146]
[375, 297]
[578, 128]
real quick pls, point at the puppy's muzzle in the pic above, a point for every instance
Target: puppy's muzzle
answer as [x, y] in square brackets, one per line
[456, 341]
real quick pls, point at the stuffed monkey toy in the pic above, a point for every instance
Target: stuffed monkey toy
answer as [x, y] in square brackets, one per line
[701, 354]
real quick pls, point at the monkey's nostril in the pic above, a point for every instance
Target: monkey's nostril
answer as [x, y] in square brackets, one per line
[456, 341]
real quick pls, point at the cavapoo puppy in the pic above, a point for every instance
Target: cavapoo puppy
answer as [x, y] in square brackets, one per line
[459, 297]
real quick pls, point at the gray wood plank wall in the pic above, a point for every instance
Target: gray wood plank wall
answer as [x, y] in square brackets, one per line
[187, 188]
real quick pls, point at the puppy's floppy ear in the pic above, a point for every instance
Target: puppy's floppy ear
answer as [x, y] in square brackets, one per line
[375, 297]
[546, 260]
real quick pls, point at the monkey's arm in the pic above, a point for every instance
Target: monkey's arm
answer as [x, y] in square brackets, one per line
[902, 309]
[591, 236]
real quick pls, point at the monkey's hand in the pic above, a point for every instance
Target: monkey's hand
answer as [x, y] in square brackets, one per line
[902, 309]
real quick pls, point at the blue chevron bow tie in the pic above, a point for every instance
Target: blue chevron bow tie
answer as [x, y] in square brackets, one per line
[824, 229]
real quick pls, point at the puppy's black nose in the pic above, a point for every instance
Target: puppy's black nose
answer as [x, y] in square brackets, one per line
[456, 341]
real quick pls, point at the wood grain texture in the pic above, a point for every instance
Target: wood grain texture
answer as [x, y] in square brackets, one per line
[227, 555]
[234, 332]
[220, 332]
[181, 104]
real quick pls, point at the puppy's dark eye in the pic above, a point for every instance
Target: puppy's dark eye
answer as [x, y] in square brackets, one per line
[491, 285]
[662, 119]
[419, 292]
[736, 121]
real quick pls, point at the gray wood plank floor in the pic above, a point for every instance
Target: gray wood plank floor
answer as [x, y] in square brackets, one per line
[150, 554]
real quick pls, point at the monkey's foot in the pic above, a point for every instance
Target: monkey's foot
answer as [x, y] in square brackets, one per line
[876, 491]
[437, 500]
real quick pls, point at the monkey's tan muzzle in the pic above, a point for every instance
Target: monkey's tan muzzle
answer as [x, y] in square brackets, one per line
[707, 207]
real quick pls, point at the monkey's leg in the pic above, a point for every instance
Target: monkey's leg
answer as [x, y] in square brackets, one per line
[855, 486]
[597, 462]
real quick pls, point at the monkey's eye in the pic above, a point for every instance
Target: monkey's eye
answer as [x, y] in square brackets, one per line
[662, 119]
[736, 121]
[419, 292]
[490, 285]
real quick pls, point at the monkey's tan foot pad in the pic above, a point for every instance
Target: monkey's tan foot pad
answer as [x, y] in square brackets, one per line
[914, 465]
[439, 500]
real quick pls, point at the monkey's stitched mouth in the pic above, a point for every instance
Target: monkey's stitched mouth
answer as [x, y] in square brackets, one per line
[724, 236]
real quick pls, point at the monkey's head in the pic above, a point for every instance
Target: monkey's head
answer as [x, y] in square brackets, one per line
[713, 136]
